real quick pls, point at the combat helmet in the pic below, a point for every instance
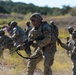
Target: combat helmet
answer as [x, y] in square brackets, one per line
[27, 23]
[52, 22]
[70, 28]
[74, 33]
[9, 23]
[36, 16]
[13, 24]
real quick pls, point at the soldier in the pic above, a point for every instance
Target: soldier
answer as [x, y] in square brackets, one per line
[70, 30]
[69, 39]
[28, 28]
[45, 47]
[5, 42]
[18, 35]
[8, 29]
[72, 47]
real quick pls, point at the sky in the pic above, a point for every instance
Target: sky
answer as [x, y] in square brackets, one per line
[49, 3]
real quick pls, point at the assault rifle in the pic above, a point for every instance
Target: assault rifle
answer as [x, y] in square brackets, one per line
[26, 44]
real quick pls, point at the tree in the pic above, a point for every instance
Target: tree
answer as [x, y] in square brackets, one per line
[65, 9]
[2, 10]
[73, 11]
[5, 0]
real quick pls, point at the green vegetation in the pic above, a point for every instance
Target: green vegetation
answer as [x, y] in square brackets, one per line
[15, 65]
[8, 6]
[20, 12]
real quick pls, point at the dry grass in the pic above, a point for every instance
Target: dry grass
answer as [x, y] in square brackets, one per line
[15, 65]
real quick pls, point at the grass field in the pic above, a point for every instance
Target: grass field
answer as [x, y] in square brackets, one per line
[15, 65]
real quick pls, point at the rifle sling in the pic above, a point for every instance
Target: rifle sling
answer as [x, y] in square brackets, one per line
[27, 57]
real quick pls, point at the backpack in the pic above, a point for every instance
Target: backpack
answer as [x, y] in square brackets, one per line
[54, 30]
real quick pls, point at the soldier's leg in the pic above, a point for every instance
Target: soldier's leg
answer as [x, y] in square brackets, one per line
[47, 66]
[1, 51]
[74, 70]
[28, 51]
[48, 62]
[74, 67]
[33, 62]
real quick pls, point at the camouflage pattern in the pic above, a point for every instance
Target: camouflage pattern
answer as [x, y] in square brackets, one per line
[36, 16]
[13, 24]
[68, 41]
[28, 28]
[1, 48]
[5, 43]
[18, 35]
[47, 53]
[55, 29]
[74, 34]
[72, 47]
[1, 51]
[8, 29]
[70, 30]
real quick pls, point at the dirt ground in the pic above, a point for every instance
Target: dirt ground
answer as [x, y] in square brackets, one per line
[62, 65]
[9, 69]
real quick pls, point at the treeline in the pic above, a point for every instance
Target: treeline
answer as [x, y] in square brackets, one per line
[23, 8]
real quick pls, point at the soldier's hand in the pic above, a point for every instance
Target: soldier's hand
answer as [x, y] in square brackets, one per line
[26, 42]
[30, 42]
[59, 41]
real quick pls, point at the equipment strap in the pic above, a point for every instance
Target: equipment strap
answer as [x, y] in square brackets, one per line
[27, 57]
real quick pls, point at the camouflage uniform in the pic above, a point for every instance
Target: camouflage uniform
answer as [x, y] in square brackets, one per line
[72, 47]
[18, 35]
[1, 49]
[47, 53]
[8, 29]
[28, 28]
[5, 43]
[69, 39]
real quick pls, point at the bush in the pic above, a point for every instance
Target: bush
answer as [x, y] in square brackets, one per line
[73, 12]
